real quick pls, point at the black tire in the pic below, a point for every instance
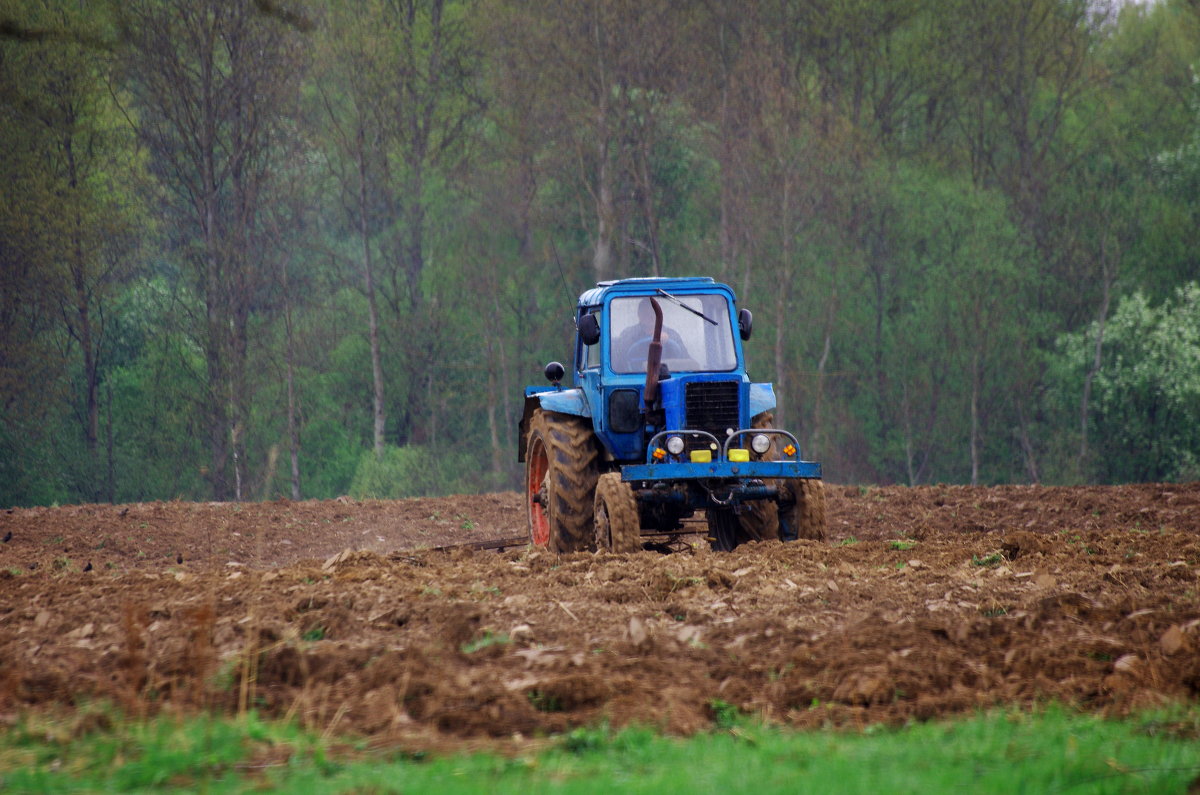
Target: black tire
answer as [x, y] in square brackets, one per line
[806, 515]
[561, 471]
[760, 519]
[724, 529]
[618, 527]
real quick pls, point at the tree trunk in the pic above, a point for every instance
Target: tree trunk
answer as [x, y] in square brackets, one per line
[1027, 449]
[91, 381]
[602, 257]
[290, 352]
[781, 294]
[110, 479]
[975, 379]
[1097, 358]
[819, 396]
[493, 429]
[216, 308]
[725, 169]
[372, 310]
[217, 415]
[909, 453]
[647, 191]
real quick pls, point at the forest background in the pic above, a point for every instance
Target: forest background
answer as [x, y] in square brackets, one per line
[262, 249]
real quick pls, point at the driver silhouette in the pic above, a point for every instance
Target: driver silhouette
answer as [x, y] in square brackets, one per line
[631, 346]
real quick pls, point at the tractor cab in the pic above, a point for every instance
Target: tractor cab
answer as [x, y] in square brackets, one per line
[699, 354]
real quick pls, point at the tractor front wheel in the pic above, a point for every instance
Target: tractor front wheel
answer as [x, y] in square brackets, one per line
[618, 527]
[760, 519]
[560, 481]
[724, 530]
[806, 515]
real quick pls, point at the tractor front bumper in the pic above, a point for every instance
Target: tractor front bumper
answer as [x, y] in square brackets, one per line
[661, 466]
[725, 470]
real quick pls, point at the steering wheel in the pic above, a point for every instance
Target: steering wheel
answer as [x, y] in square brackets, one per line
[671, 349]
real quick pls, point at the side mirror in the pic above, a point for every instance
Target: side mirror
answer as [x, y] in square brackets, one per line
[589, 329]
[745, 323]
[555, 372]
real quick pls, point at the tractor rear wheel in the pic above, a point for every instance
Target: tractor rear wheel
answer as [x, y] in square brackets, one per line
[560, 481]
[806, 515]
[618, 528]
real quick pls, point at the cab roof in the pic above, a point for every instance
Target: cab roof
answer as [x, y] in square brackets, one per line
[646, 285]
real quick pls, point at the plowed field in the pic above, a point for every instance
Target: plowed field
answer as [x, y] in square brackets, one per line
[923, 602]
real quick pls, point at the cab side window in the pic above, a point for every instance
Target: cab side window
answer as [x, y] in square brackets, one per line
[590, 355]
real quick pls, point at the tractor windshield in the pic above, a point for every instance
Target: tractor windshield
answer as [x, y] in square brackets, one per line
[690, 342]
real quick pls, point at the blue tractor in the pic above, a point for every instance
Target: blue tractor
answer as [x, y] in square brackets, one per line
[661, 422]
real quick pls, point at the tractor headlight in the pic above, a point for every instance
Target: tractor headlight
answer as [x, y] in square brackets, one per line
[761, 443]
[675, 445]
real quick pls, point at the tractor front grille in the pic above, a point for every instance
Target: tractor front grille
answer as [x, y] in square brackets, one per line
[710, 406]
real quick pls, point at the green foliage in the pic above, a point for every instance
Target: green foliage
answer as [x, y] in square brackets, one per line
[1145, 411]
[331, 454]
[158, 450]
[67, 221]
[955, 267]
[28, 472]
[412, 471]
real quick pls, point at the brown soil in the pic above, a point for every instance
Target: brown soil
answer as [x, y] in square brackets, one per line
[923, 602]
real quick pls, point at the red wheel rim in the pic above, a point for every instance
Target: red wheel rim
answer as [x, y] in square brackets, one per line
[539, 523]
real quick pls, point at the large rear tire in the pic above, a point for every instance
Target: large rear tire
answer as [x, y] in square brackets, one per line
[561, 471]
[618, 527]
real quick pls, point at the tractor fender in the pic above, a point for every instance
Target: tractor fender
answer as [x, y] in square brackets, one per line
[564, 401]
[762, 398]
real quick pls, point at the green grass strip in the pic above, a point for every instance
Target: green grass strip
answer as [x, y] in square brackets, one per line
[1050, 750]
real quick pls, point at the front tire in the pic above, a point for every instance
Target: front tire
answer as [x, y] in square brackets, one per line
[618, 527]
[561, 471]
[806, 515]
[724, 529]
[760, 519]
